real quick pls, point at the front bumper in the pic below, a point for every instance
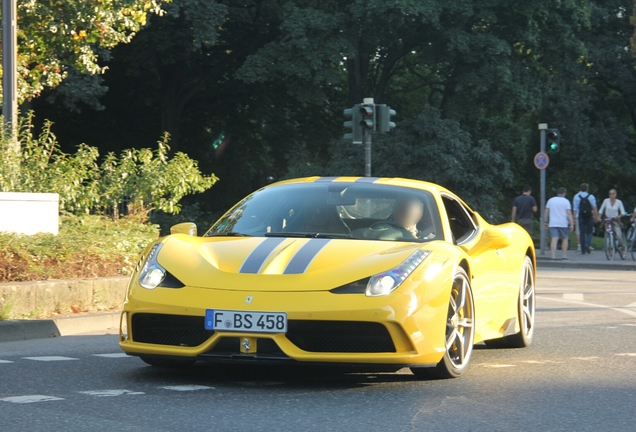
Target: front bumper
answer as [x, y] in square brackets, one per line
[402, 329]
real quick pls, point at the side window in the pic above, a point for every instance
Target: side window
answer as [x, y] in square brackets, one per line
[461, 223]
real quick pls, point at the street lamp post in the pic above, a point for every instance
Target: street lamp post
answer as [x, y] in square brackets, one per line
[9, 69]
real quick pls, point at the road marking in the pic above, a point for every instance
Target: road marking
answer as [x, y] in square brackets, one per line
[614, 308]
[629, 325]
[113, 355]
[573, 296]
[5, 361]
[540, 361]
[49, 358]
[187, 388]
[110, 393]
[30, 399]
[626, 354]
[585, 358]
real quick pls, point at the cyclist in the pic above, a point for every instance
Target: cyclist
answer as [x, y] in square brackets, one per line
[613, 209]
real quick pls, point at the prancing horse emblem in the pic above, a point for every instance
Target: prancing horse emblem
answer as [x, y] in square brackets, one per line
[246, 345]
[248, 299]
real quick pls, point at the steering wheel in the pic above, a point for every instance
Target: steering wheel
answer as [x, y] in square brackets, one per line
[384, 225]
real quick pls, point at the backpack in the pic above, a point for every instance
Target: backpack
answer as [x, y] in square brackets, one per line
[585, 207]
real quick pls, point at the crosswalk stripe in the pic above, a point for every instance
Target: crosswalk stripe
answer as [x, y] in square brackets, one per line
[187, 387]
[108, 393]
[113, 355]
[30, 399]
[5, 361]
[49, 358]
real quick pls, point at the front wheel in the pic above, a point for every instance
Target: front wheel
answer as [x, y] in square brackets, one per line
[460, 332]
[631, 241]
[609, 247]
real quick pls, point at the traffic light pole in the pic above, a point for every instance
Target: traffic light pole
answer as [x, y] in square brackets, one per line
[543, 234]
[367, 153]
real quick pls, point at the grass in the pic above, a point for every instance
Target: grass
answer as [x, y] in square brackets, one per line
[86, 246]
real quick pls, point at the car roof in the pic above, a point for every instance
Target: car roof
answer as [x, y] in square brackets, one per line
[395, 181]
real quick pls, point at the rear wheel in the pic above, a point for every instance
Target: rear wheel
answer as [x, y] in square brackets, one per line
[460, 332]
[168, 362]
[609, 246]
[525, 312]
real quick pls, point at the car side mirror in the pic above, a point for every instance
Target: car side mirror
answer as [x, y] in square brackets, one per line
[188, 228]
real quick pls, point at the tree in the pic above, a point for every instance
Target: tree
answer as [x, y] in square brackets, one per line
[58, 36]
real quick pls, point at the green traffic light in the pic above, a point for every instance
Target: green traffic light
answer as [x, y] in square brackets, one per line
[554, 146]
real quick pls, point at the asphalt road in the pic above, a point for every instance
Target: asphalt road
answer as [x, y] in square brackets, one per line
[579, 375]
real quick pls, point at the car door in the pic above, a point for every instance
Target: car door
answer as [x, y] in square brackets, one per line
[488, 267]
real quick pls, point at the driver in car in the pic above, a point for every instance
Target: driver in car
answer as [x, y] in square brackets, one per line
[407, 212]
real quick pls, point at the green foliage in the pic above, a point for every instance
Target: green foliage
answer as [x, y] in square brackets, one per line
[57, 35]
[142, 178]
[274, 75]
[86, 246]
[447, 155]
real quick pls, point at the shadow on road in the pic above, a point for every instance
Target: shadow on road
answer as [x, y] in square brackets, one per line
[294, 376]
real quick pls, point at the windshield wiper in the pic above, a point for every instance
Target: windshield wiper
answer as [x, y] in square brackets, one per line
[306, 235]
[229, 234]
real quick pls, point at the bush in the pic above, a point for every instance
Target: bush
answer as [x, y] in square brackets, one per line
[87, 246]
[143, 179]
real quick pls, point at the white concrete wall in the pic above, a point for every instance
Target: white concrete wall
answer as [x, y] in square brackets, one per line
[29, 213]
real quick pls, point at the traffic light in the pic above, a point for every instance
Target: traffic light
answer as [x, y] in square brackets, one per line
[383, 115]
[553, 140]
[367, 120]
[354, 124]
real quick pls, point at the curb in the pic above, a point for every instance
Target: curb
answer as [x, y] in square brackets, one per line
[598, 265]
[18, 330]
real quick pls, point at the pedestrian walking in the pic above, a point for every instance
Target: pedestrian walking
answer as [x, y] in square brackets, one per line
[558, 217]
[585, 214]
[524, 206]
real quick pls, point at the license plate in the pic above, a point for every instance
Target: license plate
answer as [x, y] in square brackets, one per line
[257, 322]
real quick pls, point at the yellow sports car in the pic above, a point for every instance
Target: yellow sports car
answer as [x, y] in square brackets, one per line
[372, 272]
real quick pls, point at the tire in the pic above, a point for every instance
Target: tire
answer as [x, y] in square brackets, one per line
[525, 312]
[630, 242]
[609, 247]
[167, 362]
[459, 334]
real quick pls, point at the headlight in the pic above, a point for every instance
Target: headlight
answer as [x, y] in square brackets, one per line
[384, 283]
[152, 274]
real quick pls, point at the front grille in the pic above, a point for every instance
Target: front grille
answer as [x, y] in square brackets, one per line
[177, 330]
[339, 336]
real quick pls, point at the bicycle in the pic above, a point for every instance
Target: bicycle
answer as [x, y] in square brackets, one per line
[631, 241]
[611, 243]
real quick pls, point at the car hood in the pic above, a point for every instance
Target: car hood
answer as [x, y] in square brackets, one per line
[274, 263]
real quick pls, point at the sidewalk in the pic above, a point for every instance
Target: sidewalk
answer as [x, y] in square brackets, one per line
[596, 260]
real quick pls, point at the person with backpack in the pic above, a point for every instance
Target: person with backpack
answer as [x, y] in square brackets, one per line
[585, 213]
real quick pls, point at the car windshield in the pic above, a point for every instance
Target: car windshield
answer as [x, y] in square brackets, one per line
[334, 210]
